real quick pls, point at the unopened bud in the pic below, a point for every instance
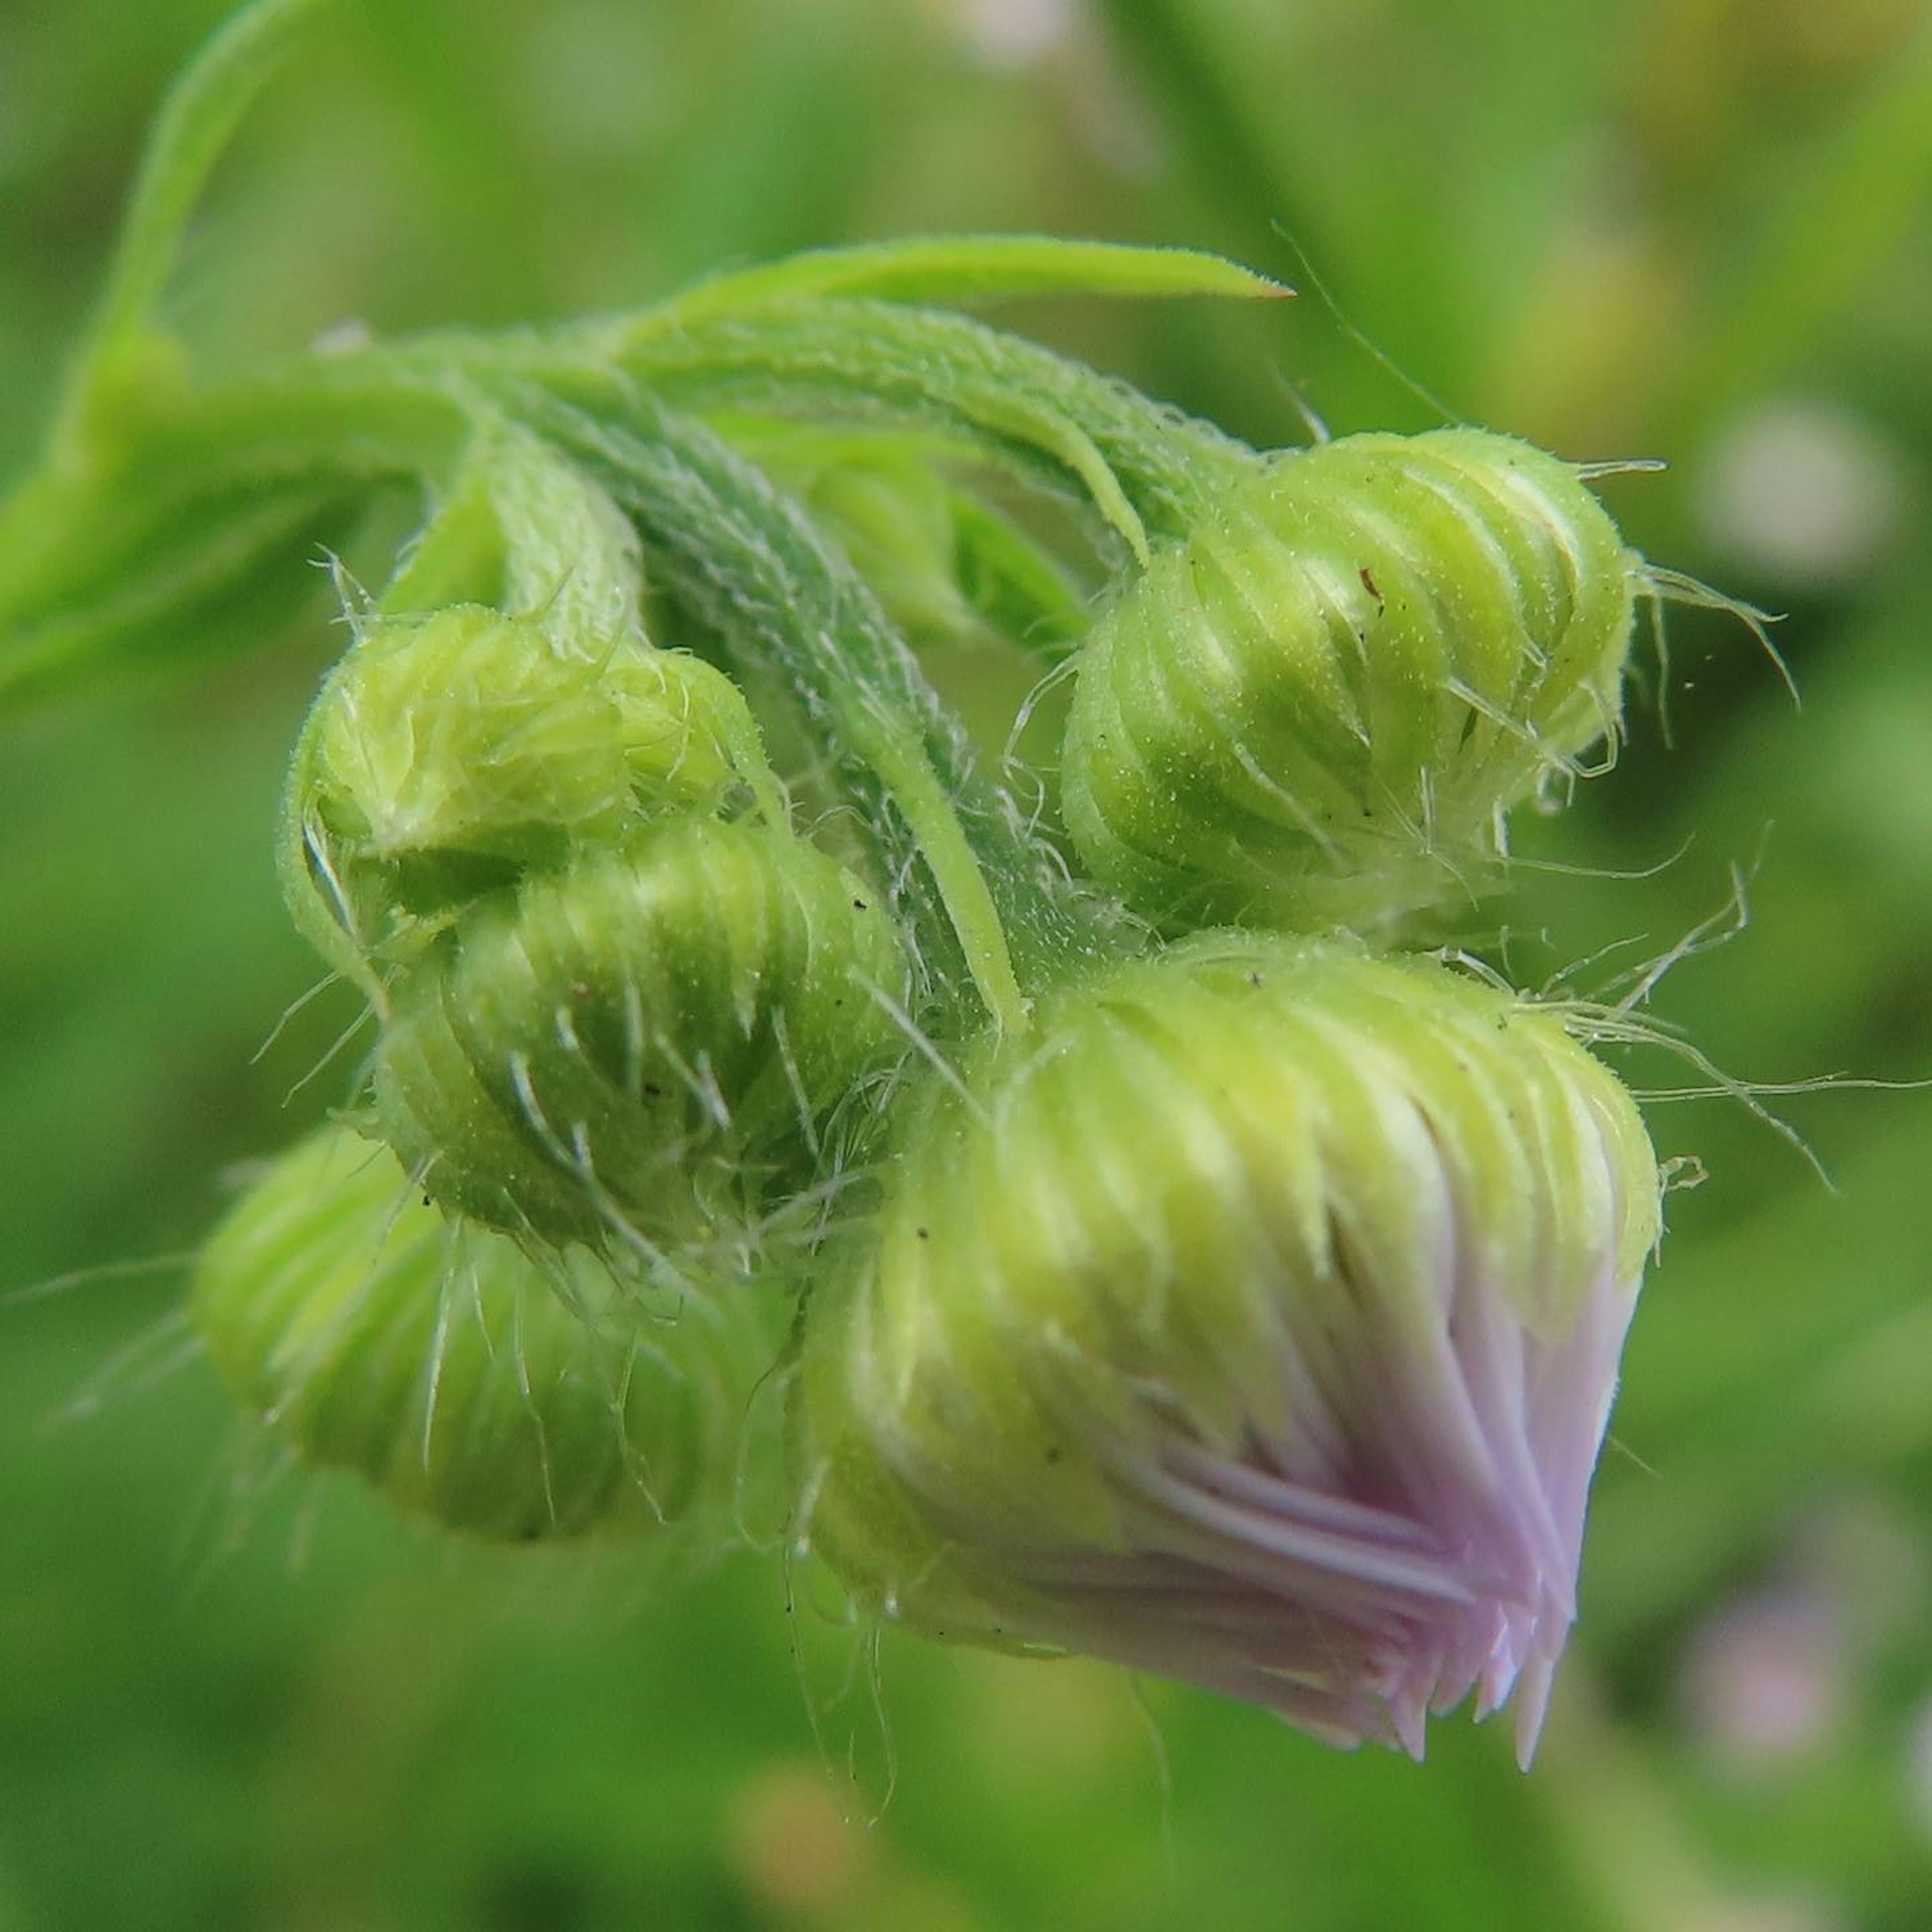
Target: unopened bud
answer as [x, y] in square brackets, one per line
[436, 1360]
[446, 755]
[639, 1050]
[1315, 710]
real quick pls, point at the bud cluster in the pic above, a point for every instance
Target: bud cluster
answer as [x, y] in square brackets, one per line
[1158, 1269]
[1221, 1296]
[620, 997]
[620, 1002]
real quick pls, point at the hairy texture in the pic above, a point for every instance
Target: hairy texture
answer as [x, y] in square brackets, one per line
[448, 755]
[641, 1048]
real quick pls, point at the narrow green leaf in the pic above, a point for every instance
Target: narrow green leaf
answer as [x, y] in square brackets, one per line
[969, 268]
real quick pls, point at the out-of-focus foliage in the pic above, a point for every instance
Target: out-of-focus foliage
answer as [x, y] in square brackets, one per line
[1694, 230]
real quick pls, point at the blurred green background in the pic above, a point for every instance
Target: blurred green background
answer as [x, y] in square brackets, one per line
[1691, 230]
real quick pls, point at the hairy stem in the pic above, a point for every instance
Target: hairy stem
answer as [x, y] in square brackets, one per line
[992, 914]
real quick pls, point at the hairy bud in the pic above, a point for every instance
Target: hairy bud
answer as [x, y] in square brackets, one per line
[637, 1050]
[448, 755]
[1256, 1325]
[436, 1361]
[1315, 710]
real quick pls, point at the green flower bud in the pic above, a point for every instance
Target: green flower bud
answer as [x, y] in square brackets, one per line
[438, 1363]
[1256, 1324]
[637, 1050]
[447, 754]
[1316, 710]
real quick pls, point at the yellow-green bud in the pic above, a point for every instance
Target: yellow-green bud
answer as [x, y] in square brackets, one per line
[1255, 1322]
[450, 753]
[639, 1049]
[436, 1361]
[1315, 710]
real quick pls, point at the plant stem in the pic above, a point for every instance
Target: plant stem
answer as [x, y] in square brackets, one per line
[195, 124]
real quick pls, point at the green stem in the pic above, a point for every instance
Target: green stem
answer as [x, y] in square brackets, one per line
[195, 124]
[373, 418]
